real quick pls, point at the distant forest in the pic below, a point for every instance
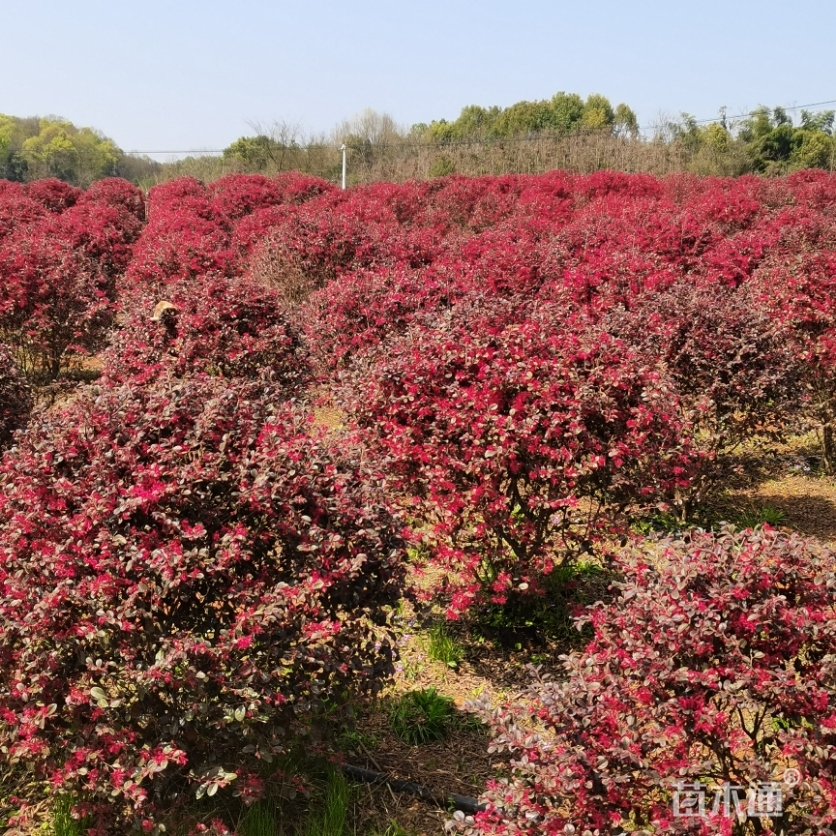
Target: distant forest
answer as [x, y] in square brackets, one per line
[566, 132]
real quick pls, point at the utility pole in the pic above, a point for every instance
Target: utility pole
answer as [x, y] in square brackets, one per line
[342, 148]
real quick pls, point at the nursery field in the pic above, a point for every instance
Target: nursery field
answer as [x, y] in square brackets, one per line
[520, 489]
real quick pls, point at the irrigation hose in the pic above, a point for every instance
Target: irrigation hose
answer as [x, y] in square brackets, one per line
[458, 802]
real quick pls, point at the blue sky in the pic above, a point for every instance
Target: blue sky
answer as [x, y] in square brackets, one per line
[190, 76]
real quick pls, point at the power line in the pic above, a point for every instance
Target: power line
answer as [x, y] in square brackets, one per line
[149, 153]
[454, 143]
[744, 115]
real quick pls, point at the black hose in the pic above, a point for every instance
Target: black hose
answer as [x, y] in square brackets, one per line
[459, 802]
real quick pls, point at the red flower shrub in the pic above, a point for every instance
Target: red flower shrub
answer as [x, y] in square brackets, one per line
[53, 300]
[187, 235]
[17, 210]
[187, 575]
[735, 369]
[118, 193]
[54, 195]
[715, 667]
[238, 195]
[522, 434]
[15, 397]
[216, 325]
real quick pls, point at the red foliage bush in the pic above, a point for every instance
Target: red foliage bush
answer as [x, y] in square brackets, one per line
[15, 397]
[313, 244]
[299, 188]
[113, 191]
[177, 192]
[800, 292]
[62, 253]
[53, 300]
[522, 434]
[715, 667]
[9, 188]
[187, 235]
[471, 203]
[606, 183]
[531, 356]
[180, 243]
[54, 195]
[735, 369]
[251, 229]
[105, 233]
[17, 210]
[367, 228]
[348, 318]
[367, 307]
[238, 195]
[188, 574]
[220, 326]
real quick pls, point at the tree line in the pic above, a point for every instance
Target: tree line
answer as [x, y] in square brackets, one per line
[36, 148]
[565, 131]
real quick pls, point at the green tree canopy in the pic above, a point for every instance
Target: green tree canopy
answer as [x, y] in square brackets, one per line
[34, 148]
[775, 145]
[567, 110]
[255, 152]
[562, 113]
[597, 112]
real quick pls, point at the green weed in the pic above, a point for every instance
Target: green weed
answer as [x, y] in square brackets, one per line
[421, 716]
[443, 647]
[662, 522]
[63, 823]
[352, 738]
[754, 517]
[394, 829]
[259, 820]
[329, 816]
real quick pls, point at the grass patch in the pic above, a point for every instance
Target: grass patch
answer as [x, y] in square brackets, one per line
[708, 517]
[63, 823]
[765, 515]
[329, 812]
[662, 522]
[422, 716]
[444, 647]
[261, 819]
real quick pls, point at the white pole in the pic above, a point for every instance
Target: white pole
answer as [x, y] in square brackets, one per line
[342, 148]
